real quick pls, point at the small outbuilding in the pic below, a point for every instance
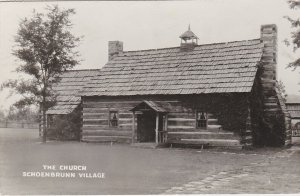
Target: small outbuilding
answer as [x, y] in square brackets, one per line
[68, 100]
[293, 106]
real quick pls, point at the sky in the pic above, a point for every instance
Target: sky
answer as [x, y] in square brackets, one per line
[154, 24]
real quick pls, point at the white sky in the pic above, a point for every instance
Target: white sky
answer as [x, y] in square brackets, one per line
[152, 24]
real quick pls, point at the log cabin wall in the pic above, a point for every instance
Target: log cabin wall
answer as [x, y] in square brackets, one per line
[225, 112]
[96, 113]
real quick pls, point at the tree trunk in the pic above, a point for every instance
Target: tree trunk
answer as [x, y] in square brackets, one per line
[44, 120]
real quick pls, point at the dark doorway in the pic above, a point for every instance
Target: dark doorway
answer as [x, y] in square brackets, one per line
[146, 124]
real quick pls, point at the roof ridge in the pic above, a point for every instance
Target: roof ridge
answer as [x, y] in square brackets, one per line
[155, 49]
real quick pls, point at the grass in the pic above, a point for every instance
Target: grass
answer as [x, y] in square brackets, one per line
[127, 170]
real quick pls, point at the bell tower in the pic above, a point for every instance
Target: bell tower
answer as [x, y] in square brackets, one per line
[188, 40]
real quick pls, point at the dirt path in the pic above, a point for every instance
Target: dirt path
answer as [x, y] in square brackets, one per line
[278, 173]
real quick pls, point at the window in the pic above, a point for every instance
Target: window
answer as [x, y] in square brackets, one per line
[113, 118]
[201, 118]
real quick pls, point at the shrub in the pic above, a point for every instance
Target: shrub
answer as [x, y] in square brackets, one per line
[66, 127]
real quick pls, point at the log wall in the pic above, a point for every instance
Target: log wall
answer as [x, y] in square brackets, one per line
[181, 120]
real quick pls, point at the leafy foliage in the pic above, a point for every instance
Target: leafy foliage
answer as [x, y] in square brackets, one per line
[281, 89]
[66, 127]
[2, 115]
[295, 35]
[46, 48]
[22, 114]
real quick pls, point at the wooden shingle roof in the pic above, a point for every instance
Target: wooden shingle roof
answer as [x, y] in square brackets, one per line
[156, 106]
[212, 68]
[68, 89]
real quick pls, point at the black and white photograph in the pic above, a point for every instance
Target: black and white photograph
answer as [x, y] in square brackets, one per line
[149, 97]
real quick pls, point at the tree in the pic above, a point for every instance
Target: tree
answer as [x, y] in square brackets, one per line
[46, 48]
[281, 89]
[22, 114]
[2, 115]
[295, 35]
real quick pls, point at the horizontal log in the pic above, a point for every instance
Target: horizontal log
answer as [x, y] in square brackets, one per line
[121, 139]
[106, 114]
[210, 142]
[99, 137]
[180, 127]
[214, 127]
[212, 121]
[182, 119]
[181, 115]
[126, 125]
[201, 135]
[184, 130]
[191, 122]
[95, 125]
[182, 123]
[210, 115]
[95, 122]
[125, 120]
[94, 119]
[95, 116]
[88, 126]
[93, 128]
[116, 108]
[106, 133]
[125, 115]
[93, 110]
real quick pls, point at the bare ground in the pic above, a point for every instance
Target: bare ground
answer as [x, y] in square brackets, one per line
[131, 170]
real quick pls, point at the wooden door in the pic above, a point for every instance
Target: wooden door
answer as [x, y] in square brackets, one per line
[146, 127]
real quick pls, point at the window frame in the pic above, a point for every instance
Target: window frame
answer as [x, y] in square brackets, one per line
[203, 120]
[110, 118]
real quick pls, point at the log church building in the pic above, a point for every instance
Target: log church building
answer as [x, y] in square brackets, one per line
[220, 94]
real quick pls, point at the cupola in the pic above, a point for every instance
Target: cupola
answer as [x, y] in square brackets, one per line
[188, 40]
